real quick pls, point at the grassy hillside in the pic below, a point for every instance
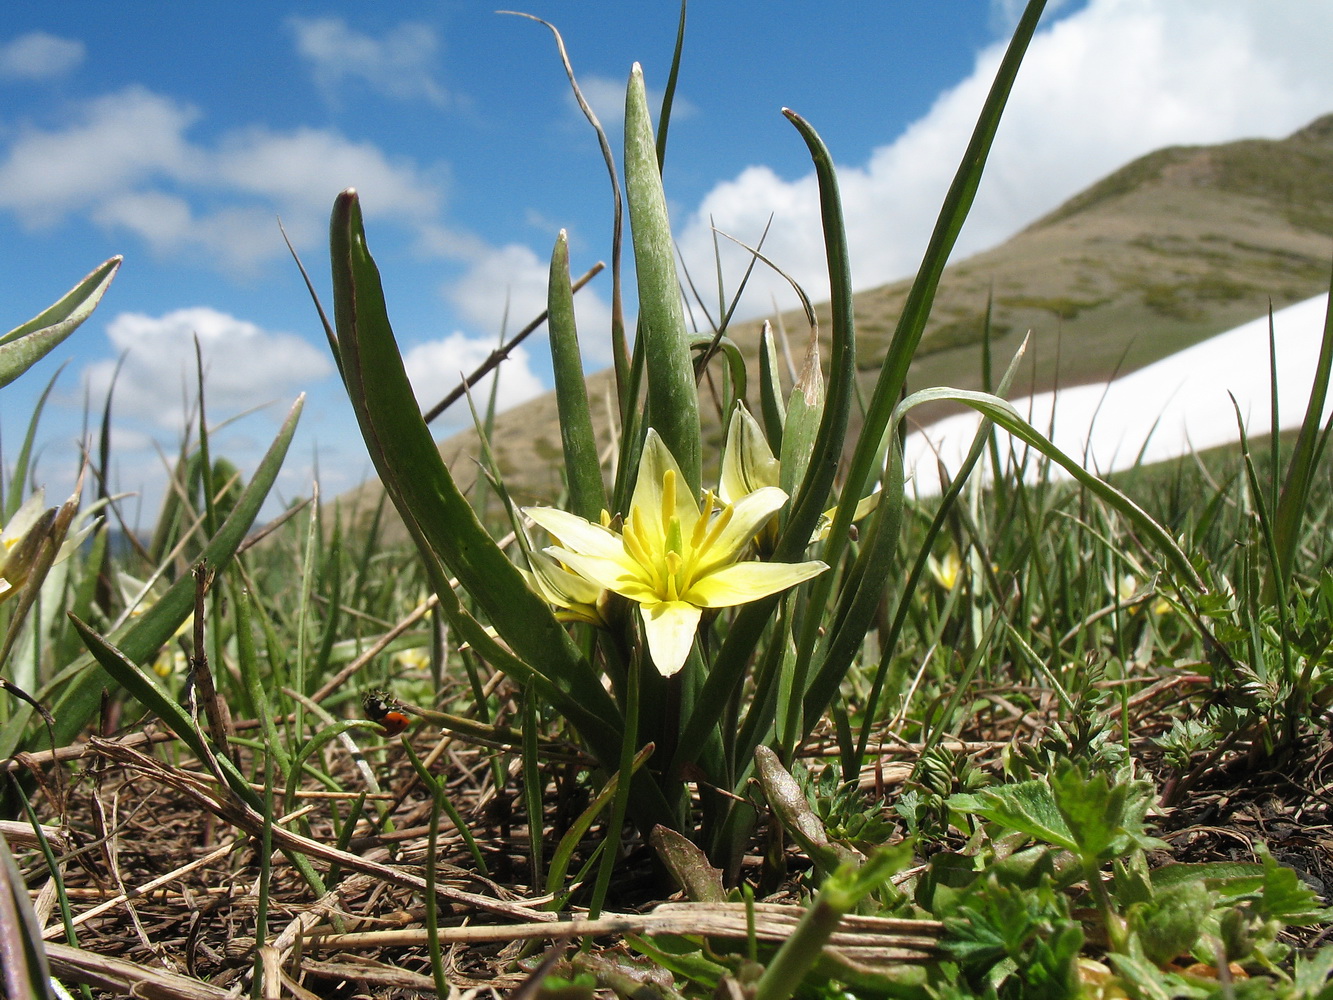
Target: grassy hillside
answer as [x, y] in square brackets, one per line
[1170, 249]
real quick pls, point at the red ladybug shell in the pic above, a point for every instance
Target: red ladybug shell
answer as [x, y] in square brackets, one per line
[382, 708]
[393, 723]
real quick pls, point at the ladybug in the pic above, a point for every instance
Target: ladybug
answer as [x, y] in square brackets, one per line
[385, 710]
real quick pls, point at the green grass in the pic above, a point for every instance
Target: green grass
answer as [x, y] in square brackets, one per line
[977, 751]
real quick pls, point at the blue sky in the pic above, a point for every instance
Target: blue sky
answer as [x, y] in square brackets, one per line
[176, 134]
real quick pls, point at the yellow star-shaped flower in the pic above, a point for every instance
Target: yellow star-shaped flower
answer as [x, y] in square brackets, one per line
[673, 557]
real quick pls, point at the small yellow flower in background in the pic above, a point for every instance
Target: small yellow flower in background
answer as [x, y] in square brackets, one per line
[946, 569]
[673, 558]
[412, 659]
[748, 465]
[139, 596]
[170, 660]
[22, 538]
[1126, 587]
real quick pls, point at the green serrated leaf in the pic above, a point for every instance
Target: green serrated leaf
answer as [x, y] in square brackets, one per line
[1170, 924]
[1284, 896]
[1026, 806]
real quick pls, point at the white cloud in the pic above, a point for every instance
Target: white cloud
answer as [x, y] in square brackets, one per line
[304, 168]
[127, 161]
[1100, 87]
[1004, 14]
[515, 276]
[244, 365]
[115, 143]
[398, 65]
[436, 367]
[40, 56]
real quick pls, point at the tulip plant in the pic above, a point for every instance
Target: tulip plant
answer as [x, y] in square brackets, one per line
[707, 612]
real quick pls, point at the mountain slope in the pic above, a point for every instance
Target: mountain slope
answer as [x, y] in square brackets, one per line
[1170, 249]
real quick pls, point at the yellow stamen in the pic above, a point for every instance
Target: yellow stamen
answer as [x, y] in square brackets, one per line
[668, 498]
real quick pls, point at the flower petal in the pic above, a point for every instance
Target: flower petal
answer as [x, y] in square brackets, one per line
[576, 534]
[748, 515]
[747, 461]
[654, 462]
[741, 583]
[559, 586]
[669, 628]
[24, 518]
[622, 575]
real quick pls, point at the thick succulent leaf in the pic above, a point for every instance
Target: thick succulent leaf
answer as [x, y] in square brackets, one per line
[421, 487]
[673, 400]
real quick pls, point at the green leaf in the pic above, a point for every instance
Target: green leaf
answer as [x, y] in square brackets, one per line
[1301, 472]
[1284, 896]
[1026, 806]
[921, 296]
[680, 957]
[587, 493]
[424, 492]
[23, 346]
[146, 634]
[907, 336]
[770, 390]
[834, 405]
[144, 690]
[1006, 416]
[443, 524]
[809, 502]
[24, 971]
[1170, 924]
[1230, 878]
[841, 892]
[1105, 817]
[673, 400]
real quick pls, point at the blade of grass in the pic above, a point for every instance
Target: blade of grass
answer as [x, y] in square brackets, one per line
[19, 472]
[770, 390]
[569, 842]
[1291, 507]
[25, 970]
[921, 296]
[728, 669]
[442, 796]
[57, 877]
[23, 346]
[1005, 416]
[619, 350]
[669, 94]
[79, 700]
